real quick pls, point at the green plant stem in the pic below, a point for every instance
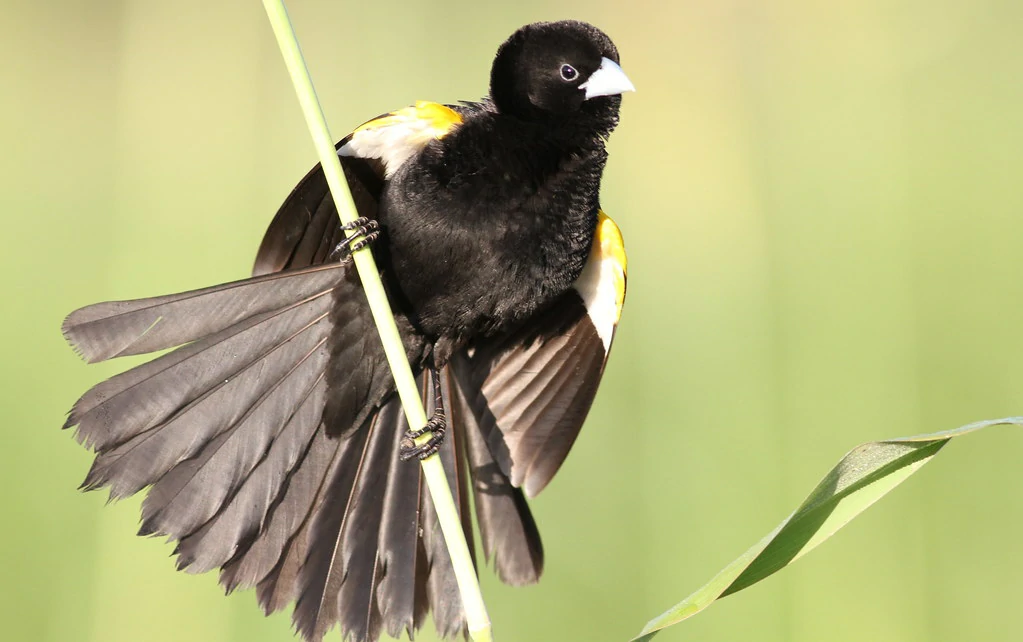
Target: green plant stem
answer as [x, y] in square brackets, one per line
[465, 573]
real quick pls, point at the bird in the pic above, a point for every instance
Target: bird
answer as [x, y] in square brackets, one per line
[269, 439]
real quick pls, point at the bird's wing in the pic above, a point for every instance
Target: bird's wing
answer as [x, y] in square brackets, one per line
[303, 233]
[267, 445]
[228, 433]
[306, 229]
[531, 390]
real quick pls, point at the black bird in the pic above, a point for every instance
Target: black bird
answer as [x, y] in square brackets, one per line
[271, 440]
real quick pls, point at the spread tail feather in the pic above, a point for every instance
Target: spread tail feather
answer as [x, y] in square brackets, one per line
[230, 432]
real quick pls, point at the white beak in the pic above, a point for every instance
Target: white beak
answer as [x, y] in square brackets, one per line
[608, 80]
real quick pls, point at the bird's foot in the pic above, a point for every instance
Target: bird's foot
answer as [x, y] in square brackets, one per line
[364, 231]
[435, 427]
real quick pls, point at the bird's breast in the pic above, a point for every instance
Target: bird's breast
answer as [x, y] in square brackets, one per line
[477, 262]
[480, 238]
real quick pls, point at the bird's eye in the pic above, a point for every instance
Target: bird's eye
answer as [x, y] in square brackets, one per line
[568, 73]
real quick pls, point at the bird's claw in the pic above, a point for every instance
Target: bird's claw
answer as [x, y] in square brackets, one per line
[364, 231]
[435, 427]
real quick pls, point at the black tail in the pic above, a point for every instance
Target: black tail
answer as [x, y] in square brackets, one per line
[270, 443]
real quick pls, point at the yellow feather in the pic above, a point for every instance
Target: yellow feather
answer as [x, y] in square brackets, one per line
[609, 246]
[440, 119]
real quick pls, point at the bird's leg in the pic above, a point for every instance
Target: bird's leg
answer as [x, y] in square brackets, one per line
[436, 427]
[364, 231]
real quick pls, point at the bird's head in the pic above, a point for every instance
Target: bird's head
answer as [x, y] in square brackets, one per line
[560, 71]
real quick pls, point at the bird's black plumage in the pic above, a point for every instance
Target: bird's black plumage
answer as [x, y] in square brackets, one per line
[270, 438]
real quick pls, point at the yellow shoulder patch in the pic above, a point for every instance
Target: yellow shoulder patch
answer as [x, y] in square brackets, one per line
[602, 283]
[609, 239]
[609, 246]
[434, 117]
[395, 137]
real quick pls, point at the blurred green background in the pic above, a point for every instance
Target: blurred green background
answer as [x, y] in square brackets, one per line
[822, 206]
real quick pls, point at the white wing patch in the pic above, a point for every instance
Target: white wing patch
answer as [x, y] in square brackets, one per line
[602, 283]
[396, 137]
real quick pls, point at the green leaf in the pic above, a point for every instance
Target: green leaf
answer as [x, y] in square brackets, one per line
[862, 477]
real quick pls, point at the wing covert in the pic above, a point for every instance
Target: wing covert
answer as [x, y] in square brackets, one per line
[306, 228]
[530, 390]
